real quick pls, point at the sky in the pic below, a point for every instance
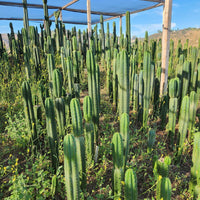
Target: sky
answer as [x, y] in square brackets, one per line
[185, 14]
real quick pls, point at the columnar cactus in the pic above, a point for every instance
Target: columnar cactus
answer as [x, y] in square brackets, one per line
[29, 112]
[69, 74]
[71, 168]
[151, 140]
[163, 189]
[87, 108]
[123, 83]
[50, 65]
[108, 71]
[46, 17]
[117, 183]
[194, 97]
[174, 91]
[124, 131]
[136, 94]
[93, 88]
[102, 36]
[77, 123]
[51, 131]
[183, 124]
[115, 81]
[128, 31]
[186, 78]
[57, 83]
[195, 170]
[60, 115]
[130, 185]
[89, 141]
[25, 18]
[141, 94]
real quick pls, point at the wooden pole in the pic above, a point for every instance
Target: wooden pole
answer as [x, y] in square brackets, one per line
[167, 14]
[89, 19]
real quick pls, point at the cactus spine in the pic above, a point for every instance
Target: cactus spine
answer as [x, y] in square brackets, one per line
[51, 131]
[71, 168]
[130, 185]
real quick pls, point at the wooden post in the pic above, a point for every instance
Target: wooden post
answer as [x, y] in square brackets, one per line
[167, 14]
[89, 20]
[120, 25]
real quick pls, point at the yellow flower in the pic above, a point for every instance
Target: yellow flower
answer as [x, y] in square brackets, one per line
[160, 177]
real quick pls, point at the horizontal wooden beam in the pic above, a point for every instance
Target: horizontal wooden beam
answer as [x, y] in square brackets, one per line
[38, 6]
[65, 6]
[156, 1]
[40, 20]
[133, 12]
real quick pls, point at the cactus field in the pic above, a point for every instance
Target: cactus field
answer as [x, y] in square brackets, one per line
[82, 117]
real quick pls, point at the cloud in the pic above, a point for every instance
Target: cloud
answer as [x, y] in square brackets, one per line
[175, 5]
[140, 29]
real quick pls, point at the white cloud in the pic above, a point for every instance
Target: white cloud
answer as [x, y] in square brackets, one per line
[140, 29]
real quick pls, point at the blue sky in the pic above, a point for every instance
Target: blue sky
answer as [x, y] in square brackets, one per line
[184, 14]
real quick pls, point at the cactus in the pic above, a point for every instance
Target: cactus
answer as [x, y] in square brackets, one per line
[89, 141]
[57, 83]
[147, 85]
[71, 168]
[26, 60]
[140, 96]
[136, 93]
[151, 140]
[115, 81]
[183, 124]
[29, 112]
[87, 108]
[194, 97]
[93, 88]
[198, 80]
[108, 70]
[76, 117]
[60, 113]
[46, 17]
[56, 15]
[69, 74]
[195, 170]
[80, 154]
[25, 18]
[123, 82]
[194, 57]
[186, 78]
[51, 131]
[162, 166]
[124, 131]
[130, 185]
[128, 31]
[117, 185]
[50, 65]
[117, 150]
[174, 91]
[163, 189]
[102, 36]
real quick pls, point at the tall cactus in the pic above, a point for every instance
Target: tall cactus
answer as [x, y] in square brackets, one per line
[77, 123]
[93, 88]
[25, 18]
[70, 74]
[60, 115]
[183, 124]
[195, 170]
[186, 78]
[123, 82]
[29, 112]
[147, 85]
[128, 31]
[194, 97]
[124, 131]
[115, 81]
[130, 185]
[57, 83]
[50, 65]
[174, 91]
[102, 36]
[87, 108]
[46, 17]
[117, 183]
[51, 131]
[71, 168]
